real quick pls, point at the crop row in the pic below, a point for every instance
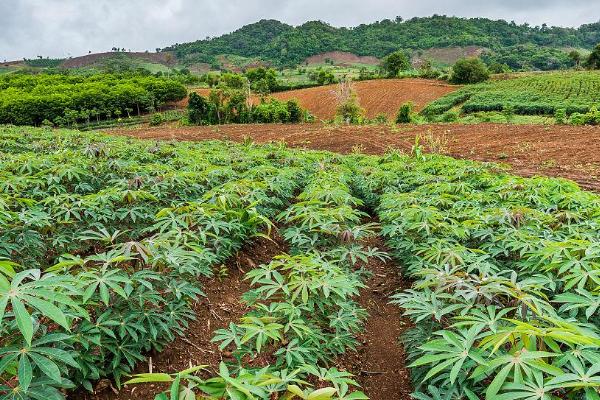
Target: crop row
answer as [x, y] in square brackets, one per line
[505, 300]
[541, 94]
[103, 242]
[303, 315]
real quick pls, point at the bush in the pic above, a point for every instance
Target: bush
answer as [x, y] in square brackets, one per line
[560, 115]
[469, 70]
[508, 111]
[350, 110]
[405, 114]
[577, 119]
[450, 116]
[156, 119]
[380, 119]
[294, 111]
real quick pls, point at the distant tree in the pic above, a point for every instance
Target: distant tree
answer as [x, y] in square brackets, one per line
[575, 56]
[593, 61]
[393, 63]
[469, 70]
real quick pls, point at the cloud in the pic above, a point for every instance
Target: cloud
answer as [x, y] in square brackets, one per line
[60, 28]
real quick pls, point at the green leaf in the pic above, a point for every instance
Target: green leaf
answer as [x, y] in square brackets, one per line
[48, 367]
[498, 381]
[322, 394]
[23, 319]
[150, 378]
[49, 310]
[25, 372]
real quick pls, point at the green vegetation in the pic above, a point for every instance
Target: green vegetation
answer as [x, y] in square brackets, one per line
[527, 57]
[230, 106]
[284, 45]
[104, 240]
[469, 70]
[44, 62]
[505, 295]
[395, 62]
[535, 94]
[66, 99]
[405, 114]
[593, 61]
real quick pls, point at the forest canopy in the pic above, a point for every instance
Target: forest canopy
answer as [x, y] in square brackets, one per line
[286, 45]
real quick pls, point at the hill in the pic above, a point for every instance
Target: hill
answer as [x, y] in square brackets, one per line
[286, 45]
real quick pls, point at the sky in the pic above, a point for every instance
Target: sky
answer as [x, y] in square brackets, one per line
[62, 28]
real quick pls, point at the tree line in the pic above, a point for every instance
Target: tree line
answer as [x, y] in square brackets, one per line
[65, 99]
[285, 45]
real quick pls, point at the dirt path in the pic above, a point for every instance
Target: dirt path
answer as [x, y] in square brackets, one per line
[564, 151]
[379, 364]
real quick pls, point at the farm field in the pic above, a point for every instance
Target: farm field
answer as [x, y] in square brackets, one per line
[384, 96]
[553, 150]
[534, 94]
[122, 255]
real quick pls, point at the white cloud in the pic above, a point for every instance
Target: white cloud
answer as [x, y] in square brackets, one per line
[60, 28]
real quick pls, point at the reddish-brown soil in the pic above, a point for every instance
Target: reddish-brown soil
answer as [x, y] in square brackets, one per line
[382, 96]
[562, 151]
[341, 58]
[378, 364]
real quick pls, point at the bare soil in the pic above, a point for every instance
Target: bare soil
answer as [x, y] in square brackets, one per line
[552, 150]
[381, 96]
[341, 58]
[379, 363]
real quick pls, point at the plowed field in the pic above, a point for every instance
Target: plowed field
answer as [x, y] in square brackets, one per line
[376, 96]
[564, 151]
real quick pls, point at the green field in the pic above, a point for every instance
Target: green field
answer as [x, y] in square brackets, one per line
[98, 230]
[533, 94]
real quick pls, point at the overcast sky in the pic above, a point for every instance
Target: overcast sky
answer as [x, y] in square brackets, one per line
[60, 28]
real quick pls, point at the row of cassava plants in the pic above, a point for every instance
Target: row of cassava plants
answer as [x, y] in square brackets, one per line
[303, 314]
[506, 270]
[103, 241]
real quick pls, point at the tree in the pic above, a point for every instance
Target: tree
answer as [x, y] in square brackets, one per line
[469, 70]
[593, 61]
[393, 63]
[575, 56]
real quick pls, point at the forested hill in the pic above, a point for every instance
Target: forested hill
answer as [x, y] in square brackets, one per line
[282, 44]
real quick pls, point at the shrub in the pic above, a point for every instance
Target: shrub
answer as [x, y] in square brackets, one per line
[560, 115]
[450, 116]
[156, 119]
[199, 110]
[405, 114]
[577, 119]
[380, 119]
[469, 70]
[508, 111]
[348, 108]
[294, 111]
